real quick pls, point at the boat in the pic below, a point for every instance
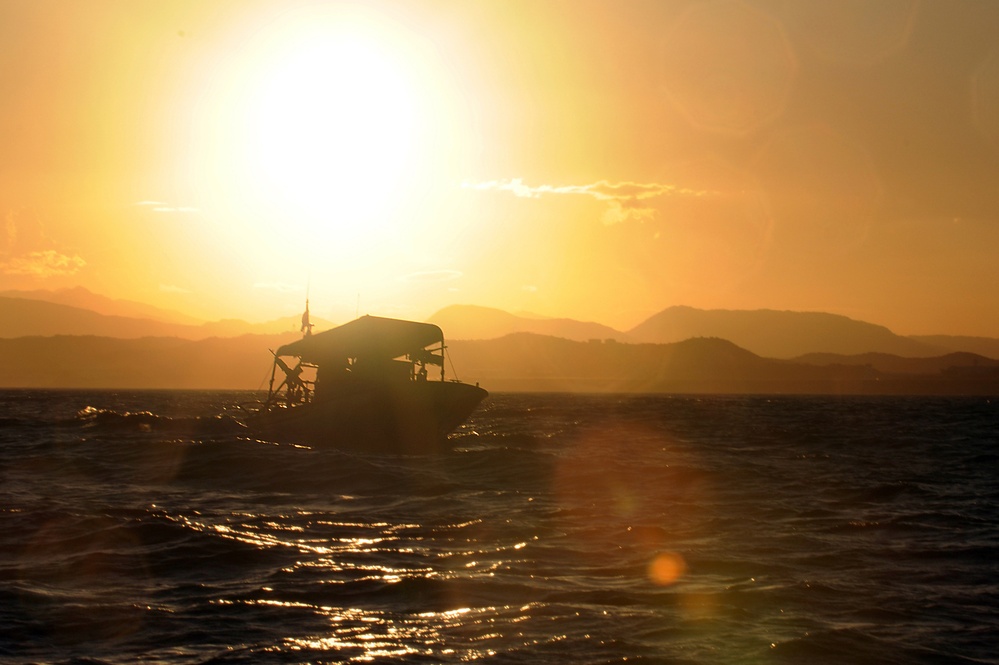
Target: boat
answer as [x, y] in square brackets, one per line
[367, 382]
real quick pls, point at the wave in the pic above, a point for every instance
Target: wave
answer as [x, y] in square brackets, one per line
[109, 420]
[590, 529]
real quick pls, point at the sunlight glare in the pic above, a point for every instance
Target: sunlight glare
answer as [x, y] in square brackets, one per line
[321, 141]
[331, 134]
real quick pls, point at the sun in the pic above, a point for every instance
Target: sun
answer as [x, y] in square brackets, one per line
[312, 126]
[331, 129]
[322, 139]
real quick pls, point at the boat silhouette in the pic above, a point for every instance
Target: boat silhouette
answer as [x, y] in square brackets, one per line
[376, 382]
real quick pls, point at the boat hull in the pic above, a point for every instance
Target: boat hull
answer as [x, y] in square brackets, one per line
[406, 417]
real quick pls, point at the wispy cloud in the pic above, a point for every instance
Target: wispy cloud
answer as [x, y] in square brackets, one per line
[603, 190]
[627, 200]
[46, 263]
[27, 251]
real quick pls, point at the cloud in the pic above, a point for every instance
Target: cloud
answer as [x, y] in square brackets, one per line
[46, 263]
[27, 251]
[624, 198]
[621, 211]
[432, 276]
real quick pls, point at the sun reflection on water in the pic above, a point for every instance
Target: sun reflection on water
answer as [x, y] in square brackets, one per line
[359, 635]
[434, 568]
[462, 587]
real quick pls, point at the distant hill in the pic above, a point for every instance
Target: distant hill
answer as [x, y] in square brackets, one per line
[807, 337]
[82, 298]
[527, 362]
[768, 333]
[21, 317]
[777, 334]
[890, 364]
[474, 322]
[83, 361]
[983, 346]
[237, 327]
[516, 362]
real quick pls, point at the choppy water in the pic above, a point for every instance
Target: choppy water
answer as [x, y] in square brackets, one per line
[583, 529]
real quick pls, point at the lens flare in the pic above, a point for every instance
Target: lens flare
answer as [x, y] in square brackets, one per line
[667, 568]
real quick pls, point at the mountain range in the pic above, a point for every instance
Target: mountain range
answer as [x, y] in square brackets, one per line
[44, 343]
[517, 362]
[20, 317]
[475, 322]
[767, 333]
[81, 298]
[529, 362]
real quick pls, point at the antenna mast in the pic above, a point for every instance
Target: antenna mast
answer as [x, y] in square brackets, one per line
[306, 322]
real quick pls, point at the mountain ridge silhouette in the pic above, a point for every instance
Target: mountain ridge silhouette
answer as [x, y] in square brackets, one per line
[21, 317]
[84, 298]
[519, 362]
[478, 322]
[769, 333]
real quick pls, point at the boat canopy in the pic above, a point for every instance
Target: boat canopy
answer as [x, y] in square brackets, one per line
[369, 337]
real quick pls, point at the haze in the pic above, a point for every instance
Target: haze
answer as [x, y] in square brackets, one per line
[593, 160]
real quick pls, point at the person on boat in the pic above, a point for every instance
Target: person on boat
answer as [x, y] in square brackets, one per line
[306, 323]
[297, 390]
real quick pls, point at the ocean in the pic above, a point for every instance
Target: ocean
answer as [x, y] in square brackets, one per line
[147, 527]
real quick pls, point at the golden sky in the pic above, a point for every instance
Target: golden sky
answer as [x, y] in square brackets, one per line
[595, 160]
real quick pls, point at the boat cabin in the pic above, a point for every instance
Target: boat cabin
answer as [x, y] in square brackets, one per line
[365, 352]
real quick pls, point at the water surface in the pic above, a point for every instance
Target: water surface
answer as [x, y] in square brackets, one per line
[145, 527]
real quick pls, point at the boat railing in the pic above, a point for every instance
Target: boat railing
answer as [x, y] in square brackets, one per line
[297, 387]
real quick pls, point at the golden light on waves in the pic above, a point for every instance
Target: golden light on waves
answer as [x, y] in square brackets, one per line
[639, 516]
